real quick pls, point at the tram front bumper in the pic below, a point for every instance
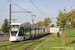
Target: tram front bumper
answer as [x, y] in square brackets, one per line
[12, 39]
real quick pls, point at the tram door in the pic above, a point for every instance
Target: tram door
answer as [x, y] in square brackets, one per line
[21, 33]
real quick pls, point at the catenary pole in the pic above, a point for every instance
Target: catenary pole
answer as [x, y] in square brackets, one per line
[10, 15]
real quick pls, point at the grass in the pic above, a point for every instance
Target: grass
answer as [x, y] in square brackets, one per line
[10, 46]
[56, 43]
[25, 45]
[32, 47]
[22, 47]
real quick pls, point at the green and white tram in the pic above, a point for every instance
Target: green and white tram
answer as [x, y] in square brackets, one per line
[20, 31]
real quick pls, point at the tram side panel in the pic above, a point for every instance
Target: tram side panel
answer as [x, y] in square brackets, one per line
[33, 32]
[46, 30]
[36, 32]
[42, 31]
[27, 32]
[39, 31]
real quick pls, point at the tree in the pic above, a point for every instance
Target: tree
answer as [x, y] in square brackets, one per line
[27, 23]
[73, 14]
[62, 19]
[73, 18]
[39, 23]
[47, 21]
[73, 24]
[5, 27]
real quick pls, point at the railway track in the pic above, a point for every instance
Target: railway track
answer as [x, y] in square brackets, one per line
[21, 45]
[35, 43]
[15, 43]
[8, 45]
[31, 41]
[32, 44]
[25, 42]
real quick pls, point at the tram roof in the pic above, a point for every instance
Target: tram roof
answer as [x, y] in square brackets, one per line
[15, 24]
[26, 25]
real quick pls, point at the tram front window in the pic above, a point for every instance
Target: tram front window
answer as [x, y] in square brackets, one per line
[13, 33]
[14, 29]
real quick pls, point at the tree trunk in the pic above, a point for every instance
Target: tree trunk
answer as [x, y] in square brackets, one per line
[64, 37]
[74, 29]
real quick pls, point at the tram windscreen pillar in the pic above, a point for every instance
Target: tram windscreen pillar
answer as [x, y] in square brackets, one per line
[35, 32]
[41, 30]
[30, 32]
[38, 31]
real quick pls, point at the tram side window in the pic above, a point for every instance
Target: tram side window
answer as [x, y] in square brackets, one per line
[26, 30]
[21, 32]
[44, 30]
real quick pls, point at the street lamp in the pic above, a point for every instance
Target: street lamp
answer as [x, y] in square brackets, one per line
[33, 18]
[14, 20]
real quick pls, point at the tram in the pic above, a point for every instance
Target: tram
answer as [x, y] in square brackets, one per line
[20, 31]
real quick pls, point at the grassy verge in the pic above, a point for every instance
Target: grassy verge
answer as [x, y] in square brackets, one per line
[22, 47]
[56, 43]
[32, 47]
[7, 46]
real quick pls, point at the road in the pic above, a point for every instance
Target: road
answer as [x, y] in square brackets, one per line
[2, 37]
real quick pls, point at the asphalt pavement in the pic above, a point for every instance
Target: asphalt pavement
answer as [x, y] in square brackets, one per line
[2, 37]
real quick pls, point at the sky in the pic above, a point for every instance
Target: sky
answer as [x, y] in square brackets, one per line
[50, 8]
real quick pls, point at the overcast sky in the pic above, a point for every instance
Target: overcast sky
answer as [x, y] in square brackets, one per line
[49, 7]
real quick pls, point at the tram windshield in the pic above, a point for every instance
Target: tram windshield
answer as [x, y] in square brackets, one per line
[14, 29]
